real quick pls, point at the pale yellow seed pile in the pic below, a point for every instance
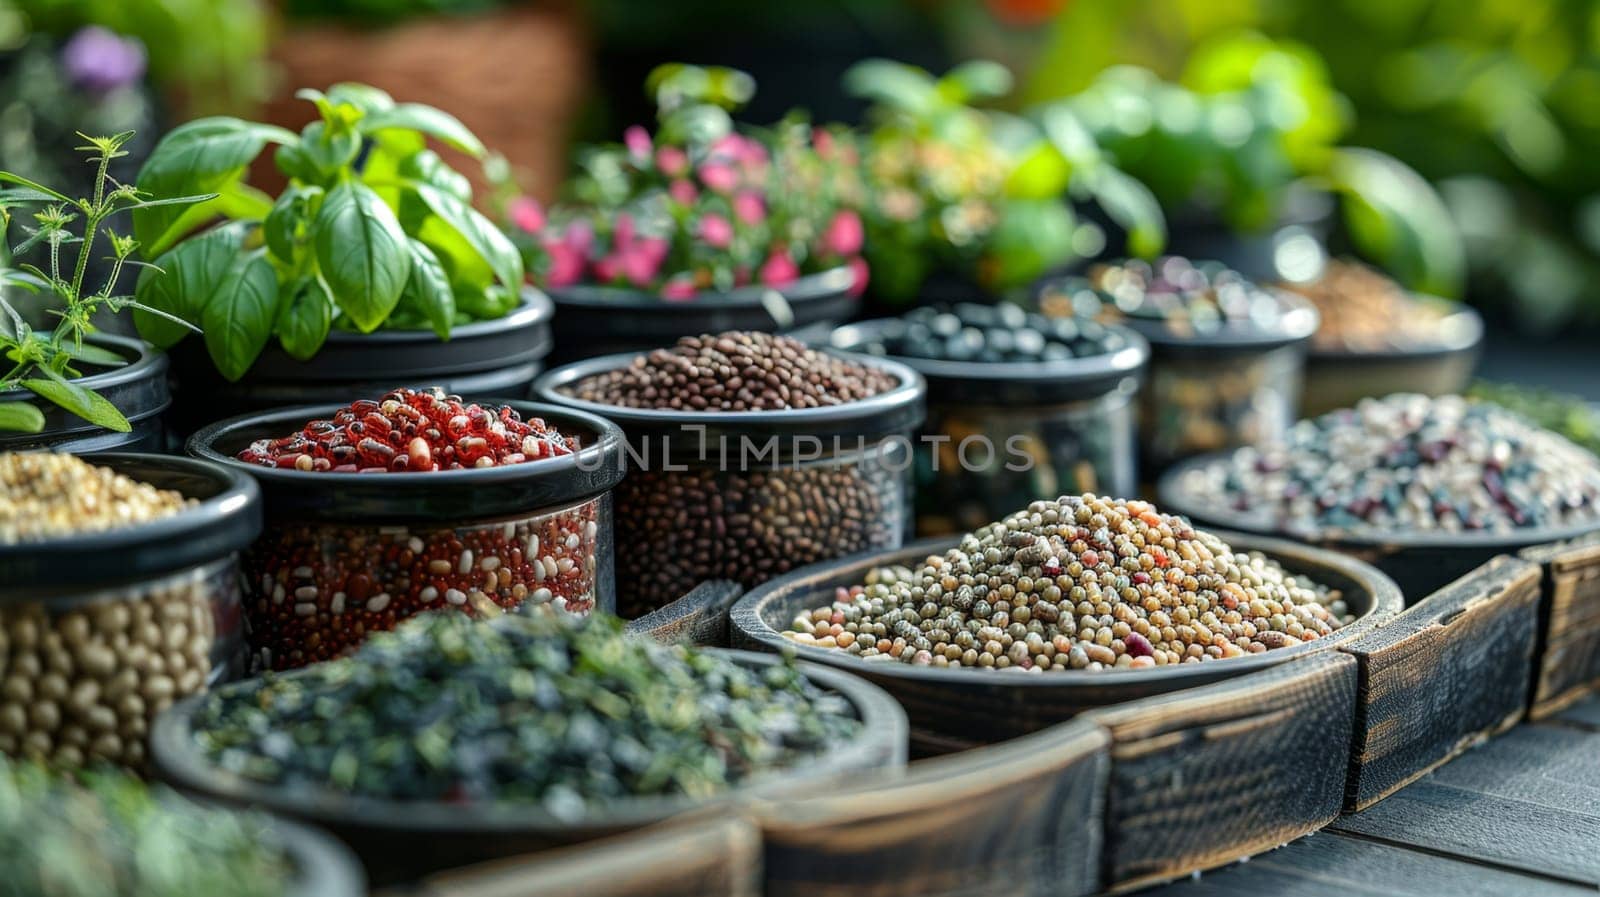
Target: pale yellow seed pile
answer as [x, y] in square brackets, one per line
[44, 496]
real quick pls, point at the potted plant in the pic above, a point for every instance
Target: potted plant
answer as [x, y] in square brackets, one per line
[700, 227]
[370, 270]
[71, 387]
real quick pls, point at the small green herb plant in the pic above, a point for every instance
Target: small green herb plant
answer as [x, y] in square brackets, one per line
[374, 230]
[46, 364]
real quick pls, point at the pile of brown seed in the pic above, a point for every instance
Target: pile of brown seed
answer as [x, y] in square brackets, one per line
[45, 495]
[1077, 583]
[735, 371]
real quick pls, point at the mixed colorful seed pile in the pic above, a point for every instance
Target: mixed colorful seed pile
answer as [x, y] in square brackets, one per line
[1409, 463]
[542, 709]
[45, 496]
[410, 430]
[1188, 299]
[991, 333]
[735, 371]
[1077, 583]
[1364, 311]
[115, 835]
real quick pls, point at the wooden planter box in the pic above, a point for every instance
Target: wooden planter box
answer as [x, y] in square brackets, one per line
[1568, 662]
[698, 618]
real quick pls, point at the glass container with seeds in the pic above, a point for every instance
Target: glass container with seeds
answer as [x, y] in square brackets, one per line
[1227, 356]
[118, 595]
[1018, 406]
[385, 508]
[753, 455]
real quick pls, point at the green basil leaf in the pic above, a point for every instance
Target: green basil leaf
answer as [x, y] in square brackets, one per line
[433, 122]
[20, 417]
[428, 289]
[329, 151]
[285, 226]
[85, 403]
[239, 316]
[486, 239]
[203, 156]
[183, 281]
[296, 163]
[303, 327]
[427, 167]
[362, 253]
[362, 96]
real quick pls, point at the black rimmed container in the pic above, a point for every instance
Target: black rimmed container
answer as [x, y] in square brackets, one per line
[346, 554]
[403, 840]
[138, 389]
[1000, 434]
[1238, 384]
[101, 631]
[597, 320]
[747, 495]
[957, 709]
[1441, 365]
[500, 357]
[323, 867]
[1420, 562]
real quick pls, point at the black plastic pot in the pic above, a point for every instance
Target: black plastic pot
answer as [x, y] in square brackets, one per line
[1338, 379]
[352, 538]
[1052, 428]
[404, 840]
[745, 496]
[593, 321]
[1421, 563]
[497, 358]
[138, 390]
[959, 708]
[122, 597]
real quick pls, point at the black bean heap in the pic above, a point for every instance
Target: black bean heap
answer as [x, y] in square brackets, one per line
[1005, 332]
[1077, 583]
[539, 708]
[735, 371]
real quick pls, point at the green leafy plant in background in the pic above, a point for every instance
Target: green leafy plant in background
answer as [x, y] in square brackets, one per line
[960, 189]
[375, 13]
[46, 364]
[374, 230]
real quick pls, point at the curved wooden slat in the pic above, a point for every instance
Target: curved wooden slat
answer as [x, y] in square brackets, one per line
[1568, 665]
[698, 618]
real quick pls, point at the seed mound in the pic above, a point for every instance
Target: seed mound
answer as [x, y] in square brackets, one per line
[1408, 463]
[1365, 311]
[1081, 582]
[997, 333]
[45, 496]
[415, 431]
[1187, 298]
[735, 371]
[541, 708]
[114, 835]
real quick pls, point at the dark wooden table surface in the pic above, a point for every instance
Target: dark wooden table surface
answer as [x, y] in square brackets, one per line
[1519, 815]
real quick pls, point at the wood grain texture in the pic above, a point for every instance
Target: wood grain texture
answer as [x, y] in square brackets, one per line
[1332, 865]
[1528, 800]
[709, 857]
[698, 618]
[1449, 672]
[1202, 777]
[1584, 714]
[1020, 818]
[1568, 666]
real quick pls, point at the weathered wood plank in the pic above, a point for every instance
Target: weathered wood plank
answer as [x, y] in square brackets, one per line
[1528, 800]
[1332, 865]
[698, 618]
[1018, 818]
[1584, 715]
[1568, 665]
[700, 858]
[1203, 777]
[1449, 672]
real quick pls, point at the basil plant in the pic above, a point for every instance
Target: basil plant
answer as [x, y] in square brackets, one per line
[374, 231]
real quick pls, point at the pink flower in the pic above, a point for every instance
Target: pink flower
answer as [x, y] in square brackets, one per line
[623, 235]
[779, 270]
[749, 207]
[640, 265]
[728, 146]
[637, 139]
[653, 248]
[716, 231]
[608, 268]
[580, 236]
[844, 233]
[566, 263]
[679, 287]
[823, 141]
[527, 214]
[719, 176]
[858, 268]
[672, 161]
[683, 192]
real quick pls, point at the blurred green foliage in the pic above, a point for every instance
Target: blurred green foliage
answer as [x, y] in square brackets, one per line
[377, 13]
